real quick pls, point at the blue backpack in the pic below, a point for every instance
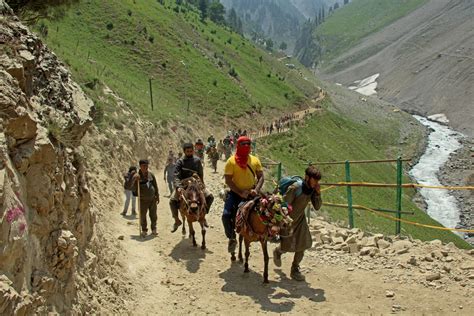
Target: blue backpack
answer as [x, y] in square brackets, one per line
[287, 181]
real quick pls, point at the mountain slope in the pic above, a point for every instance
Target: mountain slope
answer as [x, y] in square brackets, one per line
[128, 64]
[424, 60]
[348, 25]
[125, 43]
[277, 19]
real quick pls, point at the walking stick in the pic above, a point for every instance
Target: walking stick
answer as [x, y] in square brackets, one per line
[139, 210]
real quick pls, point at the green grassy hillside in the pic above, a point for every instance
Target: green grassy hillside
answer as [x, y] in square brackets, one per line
[123, 43]
[335, 137]
[351, 23]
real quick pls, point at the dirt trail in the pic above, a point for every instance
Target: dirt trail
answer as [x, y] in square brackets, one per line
[169, 276]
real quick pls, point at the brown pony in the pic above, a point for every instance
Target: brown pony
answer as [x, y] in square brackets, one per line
[193, 207]
[251, 228]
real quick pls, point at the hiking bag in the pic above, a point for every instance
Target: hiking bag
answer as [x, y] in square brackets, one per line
[287, 181]
[128, 181]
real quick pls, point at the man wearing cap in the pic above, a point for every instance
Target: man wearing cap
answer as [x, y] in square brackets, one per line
[185, 167]
[244, 176]
[149, 196]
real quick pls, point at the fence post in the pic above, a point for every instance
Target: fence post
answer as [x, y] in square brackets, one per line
[349, 195]
[151, 94]
[399, 194]
[279, 171]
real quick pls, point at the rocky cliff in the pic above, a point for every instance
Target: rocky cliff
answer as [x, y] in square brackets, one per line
[46, 222]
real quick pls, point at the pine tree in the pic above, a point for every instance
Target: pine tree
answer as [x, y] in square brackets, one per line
[203, 6]
[217, 12]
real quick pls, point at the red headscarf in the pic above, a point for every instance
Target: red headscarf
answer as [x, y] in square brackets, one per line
[242, 153]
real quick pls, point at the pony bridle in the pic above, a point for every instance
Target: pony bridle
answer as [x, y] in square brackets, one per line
[192, 206]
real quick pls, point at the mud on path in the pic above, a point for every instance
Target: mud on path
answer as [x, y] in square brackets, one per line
[167, 275]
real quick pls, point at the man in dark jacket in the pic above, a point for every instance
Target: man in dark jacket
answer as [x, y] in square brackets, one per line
[149, 196]
[185, 168]
[298, 196]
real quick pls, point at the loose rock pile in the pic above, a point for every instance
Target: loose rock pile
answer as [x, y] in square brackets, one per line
[432, 264]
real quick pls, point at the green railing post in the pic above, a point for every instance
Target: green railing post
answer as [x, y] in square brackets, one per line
[279, 171]
[349, 195]
[399, 194]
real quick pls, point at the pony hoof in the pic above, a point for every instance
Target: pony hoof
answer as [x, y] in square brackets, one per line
[194, 245]
[265, 281]
[203, 247]
[246, 271]
[233, 258]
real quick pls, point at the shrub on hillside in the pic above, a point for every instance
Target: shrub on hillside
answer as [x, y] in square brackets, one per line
[110, 26]
[232, 72]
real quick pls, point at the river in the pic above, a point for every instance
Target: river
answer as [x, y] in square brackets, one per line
[442, 142]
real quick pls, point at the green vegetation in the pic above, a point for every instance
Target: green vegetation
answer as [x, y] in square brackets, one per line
[326, 39]
[221, 74]
[124, 43]
[351, 23]
[334, 137]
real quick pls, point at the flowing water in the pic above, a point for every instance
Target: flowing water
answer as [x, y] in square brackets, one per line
[442, 142]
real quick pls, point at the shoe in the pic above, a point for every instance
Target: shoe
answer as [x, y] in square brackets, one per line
[124, 213]
[232, 245]
[176, 225]
[154, 232]
[134, 213]
[276, 257]
[143, 234]
[296, 274]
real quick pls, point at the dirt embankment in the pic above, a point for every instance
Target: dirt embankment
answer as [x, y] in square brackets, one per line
[425, 61]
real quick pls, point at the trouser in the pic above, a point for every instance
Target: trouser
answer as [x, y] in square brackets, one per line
[129, 196]
[148, 206]
[174, 203]
[297, 258]
[170, 185]
[228, 215]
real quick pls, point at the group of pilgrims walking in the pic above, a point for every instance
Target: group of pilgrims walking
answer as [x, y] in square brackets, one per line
[244, 178]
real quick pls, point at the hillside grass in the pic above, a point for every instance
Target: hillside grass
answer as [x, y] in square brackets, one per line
[347, 26]
[333, 137]
[124, 43]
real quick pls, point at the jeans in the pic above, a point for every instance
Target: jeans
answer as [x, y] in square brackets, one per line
[170, 184]
[230, 210]
[128, 196]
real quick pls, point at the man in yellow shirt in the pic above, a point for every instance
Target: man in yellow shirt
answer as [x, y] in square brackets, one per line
[244, 175]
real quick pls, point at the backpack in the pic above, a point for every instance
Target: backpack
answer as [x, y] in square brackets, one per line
[287, 181]
[128, 181]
